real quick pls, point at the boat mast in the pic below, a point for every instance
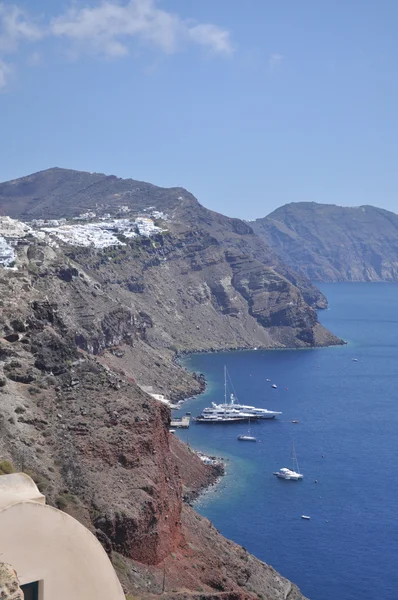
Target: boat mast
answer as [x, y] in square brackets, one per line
[295, 461]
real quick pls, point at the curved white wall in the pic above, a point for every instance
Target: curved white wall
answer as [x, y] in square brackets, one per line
[43, 543]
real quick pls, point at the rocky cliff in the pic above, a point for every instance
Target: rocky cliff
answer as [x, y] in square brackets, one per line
[94, 304]
[205, 281]
[98, 446]
[331, 243]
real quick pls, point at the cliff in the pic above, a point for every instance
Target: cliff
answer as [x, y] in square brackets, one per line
[331, 243]
[93, 309]
[99, 447]
[205, 281]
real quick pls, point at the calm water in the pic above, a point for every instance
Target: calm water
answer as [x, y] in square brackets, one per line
[346, 438]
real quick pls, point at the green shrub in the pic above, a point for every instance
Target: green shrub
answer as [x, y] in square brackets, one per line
[6, 467]
[42, 482]
[61, 502]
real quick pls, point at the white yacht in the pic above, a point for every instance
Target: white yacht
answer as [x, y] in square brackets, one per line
[292, 474]
[286, 473]
[222, 415]
[253, 411]
[228, 412]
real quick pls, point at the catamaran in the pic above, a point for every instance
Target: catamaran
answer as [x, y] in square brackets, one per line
[292, 474]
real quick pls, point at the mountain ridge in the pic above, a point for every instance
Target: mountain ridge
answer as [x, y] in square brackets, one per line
[327, 242]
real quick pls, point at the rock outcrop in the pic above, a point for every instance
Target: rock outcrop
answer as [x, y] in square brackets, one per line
[331, 243]
[9, 584]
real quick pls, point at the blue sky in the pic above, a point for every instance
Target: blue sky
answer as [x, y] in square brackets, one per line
[249, 104]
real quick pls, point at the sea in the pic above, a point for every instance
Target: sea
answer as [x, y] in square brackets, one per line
[345, 399]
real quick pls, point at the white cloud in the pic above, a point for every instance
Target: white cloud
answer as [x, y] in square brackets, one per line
[16, 27]
[107, 28]
[216, 39]
[274, 62]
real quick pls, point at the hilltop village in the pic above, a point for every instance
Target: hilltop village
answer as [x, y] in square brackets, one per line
[90, 229]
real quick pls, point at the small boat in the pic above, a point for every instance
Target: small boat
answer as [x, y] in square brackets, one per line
[172, 430]
[247, 437]
[295, 421]
[290, 474]
[268, 380]
[354, 360]
[274, 386]
[306, 517]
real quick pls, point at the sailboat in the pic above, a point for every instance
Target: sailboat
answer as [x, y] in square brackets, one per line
[247, 437]
[292, 474]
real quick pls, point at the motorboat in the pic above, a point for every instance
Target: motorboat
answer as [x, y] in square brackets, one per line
[290, 474]
[306, 517]
[274, 386]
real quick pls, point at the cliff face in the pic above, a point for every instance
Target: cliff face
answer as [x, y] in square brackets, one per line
[99, 447]
[84, 327]
[205, 281]
[331, 243]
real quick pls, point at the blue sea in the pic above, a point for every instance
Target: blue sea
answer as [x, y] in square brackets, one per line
[346, 439]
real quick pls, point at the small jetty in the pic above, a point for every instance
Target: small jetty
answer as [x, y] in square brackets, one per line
[180, 423]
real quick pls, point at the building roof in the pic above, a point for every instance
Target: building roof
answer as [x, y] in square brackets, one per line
[17, 488]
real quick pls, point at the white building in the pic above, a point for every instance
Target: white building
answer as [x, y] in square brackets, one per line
[54, 556]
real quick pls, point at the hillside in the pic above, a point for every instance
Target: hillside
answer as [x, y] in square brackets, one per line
[324, 242]
[100, 286]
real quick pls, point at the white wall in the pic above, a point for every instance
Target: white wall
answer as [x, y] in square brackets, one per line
[42, 543]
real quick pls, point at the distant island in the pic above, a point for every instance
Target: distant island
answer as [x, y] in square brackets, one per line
[325, 242]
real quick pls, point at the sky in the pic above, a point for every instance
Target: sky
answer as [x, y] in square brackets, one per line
[248, 104]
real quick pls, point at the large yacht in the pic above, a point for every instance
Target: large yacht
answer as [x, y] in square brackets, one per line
[222, 415]
[228, 412]
[253, 411]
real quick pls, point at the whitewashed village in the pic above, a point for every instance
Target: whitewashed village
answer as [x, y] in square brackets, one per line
[91, 229]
